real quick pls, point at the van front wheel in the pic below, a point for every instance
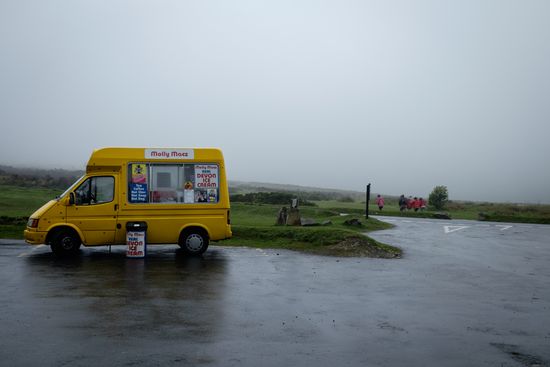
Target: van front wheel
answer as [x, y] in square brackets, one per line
[65, 242]
[194, 241]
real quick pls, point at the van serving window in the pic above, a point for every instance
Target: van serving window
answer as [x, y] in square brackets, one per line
[173, 183]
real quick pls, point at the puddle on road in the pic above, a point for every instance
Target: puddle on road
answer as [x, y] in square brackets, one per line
[525, 359]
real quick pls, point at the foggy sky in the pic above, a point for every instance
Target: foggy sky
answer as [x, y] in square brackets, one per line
[403, 94]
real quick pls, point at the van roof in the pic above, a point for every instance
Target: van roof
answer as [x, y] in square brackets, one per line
[116, 156]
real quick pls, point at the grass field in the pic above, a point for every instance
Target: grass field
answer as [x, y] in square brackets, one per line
[16, 204]
[253, 225]
[22, 201]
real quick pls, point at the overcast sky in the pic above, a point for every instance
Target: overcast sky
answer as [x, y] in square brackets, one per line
[403, 94]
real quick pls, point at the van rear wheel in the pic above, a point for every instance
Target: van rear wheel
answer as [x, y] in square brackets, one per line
[194, 241]
[65, 242]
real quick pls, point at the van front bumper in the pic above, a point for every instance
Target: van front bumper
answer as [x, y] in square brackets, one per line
[34, 237]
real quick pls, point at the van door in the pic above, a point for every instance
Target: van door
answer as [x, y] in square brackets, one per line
[95, 209]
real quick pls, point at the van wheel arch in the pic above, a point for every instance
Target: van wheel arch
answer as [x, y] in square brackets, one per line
[194, 240]
[64, 241]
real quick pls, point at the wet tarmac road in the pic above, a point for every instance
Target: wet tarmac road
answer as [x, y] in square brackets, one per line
[478, 295]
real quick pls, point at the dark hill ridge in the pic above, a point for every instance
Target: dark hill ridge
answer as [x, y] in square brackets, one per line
[36, 177]
[242, 185]
[39, 172]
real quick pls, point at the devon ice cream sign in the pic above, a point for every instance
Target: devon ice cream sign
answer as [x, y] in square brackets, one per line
[206, 176]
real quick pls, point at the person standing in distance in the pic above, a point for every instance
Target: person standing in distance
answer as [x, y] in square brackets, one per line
[402, 203]
[380, 202]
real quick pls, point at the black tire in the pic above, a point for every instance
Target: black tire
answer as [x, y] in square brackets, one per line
[194, 241]
[65, 243]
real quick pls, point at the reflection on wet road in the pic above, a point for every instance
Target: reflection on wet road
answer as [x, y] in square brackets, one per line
[476, 296]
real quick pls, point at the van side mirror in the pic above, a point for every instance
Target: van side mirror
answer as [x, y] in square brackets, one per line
[71, 198]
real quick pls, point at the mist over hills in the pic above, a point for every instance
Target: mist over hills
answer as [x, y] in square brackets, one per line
[62, 178]
[59, 178]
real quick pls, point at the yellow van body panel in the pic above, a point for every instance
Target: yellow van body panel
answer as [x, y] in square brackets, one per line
[50, 214]
[104, 223]
[33, 237]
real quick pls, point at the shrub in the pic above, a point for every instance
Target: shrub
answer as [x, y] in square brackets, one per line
[345, 199]
[439, 197]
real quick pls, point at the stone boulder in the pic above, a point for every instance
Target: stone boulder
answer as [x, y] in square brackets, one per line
[293, 218]
[441, 216]
[308, 222]
[282, 216]
[353, 222]
[482, 216]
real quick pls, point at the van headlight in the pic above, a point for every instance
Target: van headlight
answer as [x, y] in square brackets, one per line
[32, 223]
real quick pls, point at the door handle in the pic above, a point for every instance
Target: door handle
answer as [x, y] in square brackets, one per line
[116, 207]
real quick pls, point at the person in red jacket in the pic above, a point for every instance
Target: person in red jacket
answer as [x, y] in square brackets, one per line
[410, 203]
[416, 204]
[380, 202]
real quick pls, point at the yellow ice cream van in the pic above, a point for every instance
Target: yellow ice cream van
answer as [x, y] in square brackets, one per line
[180, 195]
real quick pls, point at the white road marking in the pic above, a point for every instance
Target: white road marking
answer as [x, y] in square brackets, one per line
[31, 251]
[263, 253]
[449, 229]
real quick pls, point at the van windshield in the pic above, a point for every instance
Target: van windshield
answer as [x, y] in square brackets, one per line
[69, 189]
